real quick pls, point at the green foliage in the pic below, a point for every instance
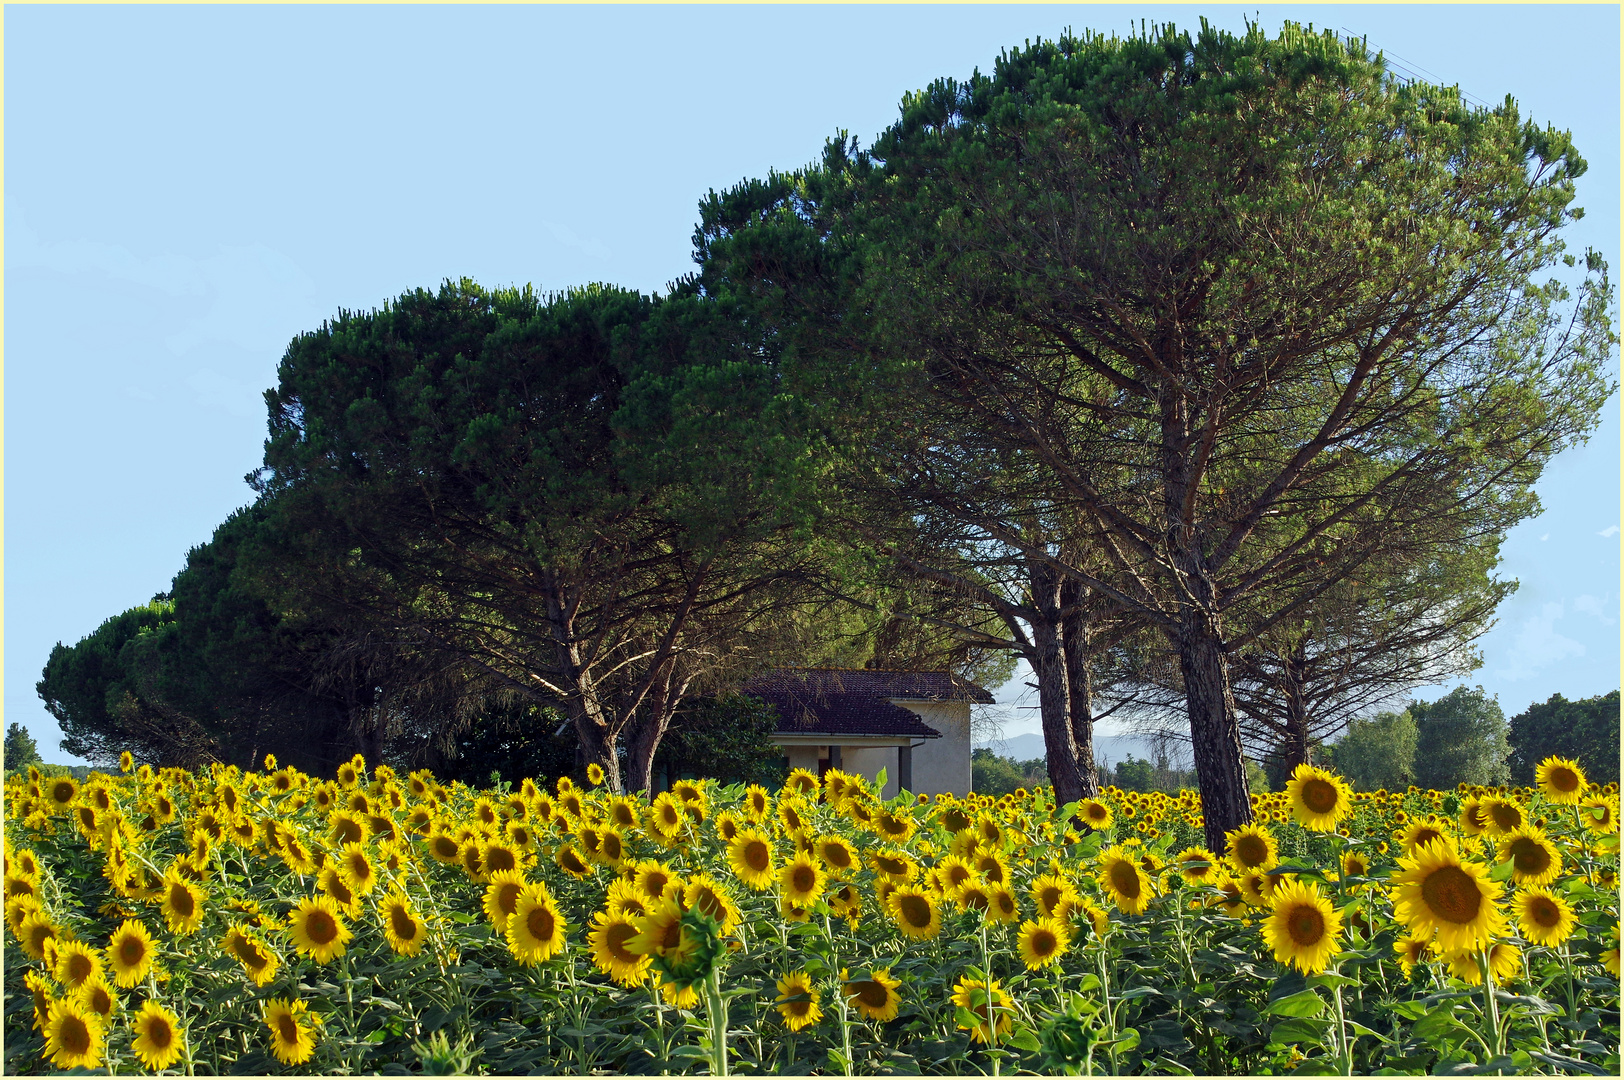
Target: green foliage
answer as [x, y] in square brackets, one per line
[1461, 738]
[21, 751]
[992, 774]
[517, 739]
[727, 737]
[1379, 752]
[1585, 731]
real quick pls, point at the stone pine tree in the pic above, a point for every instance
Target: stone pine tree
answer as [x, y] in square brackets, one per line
[1263, 312]
[21, 750]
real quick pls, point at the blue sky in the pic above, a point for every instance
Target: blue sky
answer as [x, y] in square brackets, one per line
[187, 188]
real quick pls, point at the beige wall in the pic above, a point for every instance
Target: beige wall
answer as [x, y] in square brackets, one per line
[868, 761]
[803, 757]
[942, 765]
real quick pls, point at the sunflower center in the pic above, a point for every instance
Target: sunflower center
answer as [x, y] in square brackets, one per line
[915, 911]
[1096, 812]
[872, 994]
[159, 1033]
[1423, 837]
[78, 967]
[673, 935]
[74, 1035]
[615, 941]
[1306, 925]
[799, 1009]
[1544, 913]
[1529, 856]
[1125, 879]
[340, 891]
[1452, 893]
[1506, 815]
[573, 864]
[804, 878]
[1319, 796]
[507, 895]
[62, 792]
[1048, 898]
[288, 1028]
[975, 898]
[540, 923]
[756, 856]
[405, 927]
[320, 927]
[180, 898]
[498, 859]
[1564, 779]
[1044, 942]
[1251, 850]
[446, 846]
[131, 950]
[837, 856]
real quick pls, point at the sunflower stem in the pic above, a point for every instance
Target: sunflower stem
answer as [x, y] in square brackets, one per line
[716, 1004]
[1493, 1006]
[1343, 1049]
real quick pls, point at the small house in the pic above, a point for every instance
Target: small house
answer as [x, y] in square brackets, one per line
[913, 724]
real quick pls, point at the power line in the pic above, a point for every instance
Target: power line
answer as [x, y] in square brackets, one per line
[1404, 67]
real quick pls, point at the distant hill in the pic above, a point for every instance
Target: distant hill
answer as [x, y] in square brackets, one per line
[1108, 748]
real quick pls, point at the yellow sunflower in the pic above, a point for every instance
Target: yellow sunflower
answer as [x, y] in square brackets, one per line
[129, 952]
[1319, 799]
[1095, 813]
[1123, 880]
[594, 773]
[1049, 890]
[97, 997]
[801, 782]
[73, 1036]
[667, 816]
[990, 1009]
[1197, 865]
[317, 929]
[1534, 859]
[1505, 964]
[875, 997]
[837, 854]
[705, 893]
[159, 1042]
[1502, 815]
[1472, 821]
[608, 943]
[651, 878]
[183, 904]
[758, 804]
[1042, 941]
[443, 847]
[846, 903]
[536, 929]
[1439, 893]
[750, 856]
[1418, 834]
[895, 865]
[75, 963]
[1560, 780]
[1302, 928]
[1543, 917]
[1410, 952]
[801, 880]
[293, 1030]
[332, 884]
[501, 893]
[915, 912]
[657, 931]
[1252, 847]
[569, 860]
[257, 960]
[1600, 815]
[798, 1001]
[403, 928]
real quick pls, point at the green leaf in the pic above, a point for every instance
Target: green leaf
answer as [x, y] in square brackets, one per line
[880, 779]
[1127, 1041]
[1299, 1029]
[1025, 1039]
[1502, 870]
[1306, 1003]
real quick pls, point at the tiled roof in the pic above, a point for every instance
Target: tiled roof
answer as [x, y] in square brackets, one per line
[837, 701]
[915, 685]
[845, 714]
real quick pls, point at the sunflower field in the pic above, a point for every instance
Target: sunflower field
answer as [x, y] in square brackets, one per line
[232, 922]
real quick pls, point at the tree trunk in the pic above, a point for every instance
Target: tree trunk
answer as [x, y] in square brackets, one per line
[658, 708]
[1049, 663]
[1074, 636]
[1214, 733]
[1296, 750]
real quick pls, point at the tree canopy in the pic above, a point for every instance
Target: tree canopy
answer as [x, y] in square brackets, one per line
[1585, 731]
[1253, 312]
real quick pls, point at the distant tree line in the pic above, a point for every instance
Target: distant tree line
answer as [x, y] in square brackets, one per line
[1028, 377]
